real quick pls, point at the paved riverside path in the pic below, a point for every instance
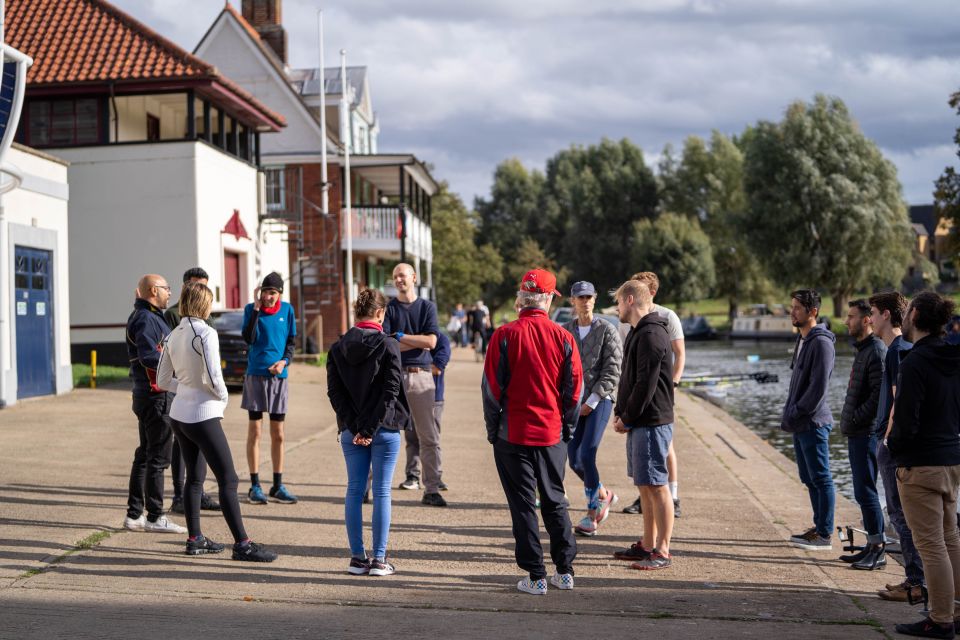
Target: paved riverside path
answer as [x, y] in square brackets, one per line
[64, 464]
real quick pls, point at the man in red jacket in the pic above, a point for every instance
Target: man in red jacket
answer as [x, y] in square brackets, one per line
[532, 382]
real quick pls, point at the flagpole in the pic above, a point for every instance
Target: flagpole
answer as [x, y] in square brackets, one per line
[348, 208]
[324, 184]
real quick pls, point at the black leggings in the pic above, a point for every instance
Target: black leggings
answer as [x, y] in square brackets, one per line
[274, 417]
[204, 443]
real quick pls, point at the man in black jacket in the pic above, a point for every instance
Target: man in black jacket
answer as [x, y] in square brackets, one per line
[925, 443]
[146, 329]
[858, 422]
[644, 411]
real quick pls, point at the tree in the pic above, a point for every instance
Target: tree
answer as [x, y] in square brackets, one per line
[707, 184]
[677, 249]
[946, 196]
[461, 269]
[825, 207]
[592, 197]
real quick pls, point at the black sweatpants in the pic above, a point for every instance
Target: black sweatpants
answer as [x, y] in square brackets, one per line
[151, 458]
[204, 443]
[522, 471]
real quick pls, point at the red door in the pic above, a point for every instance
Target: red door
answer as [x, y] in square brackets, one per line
[231, 267]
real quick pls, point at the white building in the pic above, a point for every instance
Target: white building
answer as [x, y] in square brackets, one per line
[34, 280]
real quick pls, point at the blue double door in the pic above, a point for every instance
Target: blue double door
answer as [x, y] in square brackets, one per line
[33, 313]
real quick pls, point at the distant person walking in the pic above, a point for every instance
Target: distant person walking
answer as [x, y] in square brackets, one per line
[172, 318]
[807, 416]
[413, 322]
[269, 327]
[146, 330]
[190, 366]
[925, 443]
[601, 353]
[365, 387]
[644, 411]
[858, 422]
[532, 384]
[887, 311]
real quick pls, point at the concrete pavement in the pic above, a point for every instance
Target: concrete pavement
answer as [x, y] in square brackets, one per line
[64, 465]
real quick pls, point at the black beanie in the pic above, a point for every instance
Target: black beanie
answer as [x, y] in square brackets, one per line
[273, 281]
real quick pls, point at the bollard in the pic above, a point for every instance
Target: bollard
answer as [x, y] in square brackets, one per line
[93, 369]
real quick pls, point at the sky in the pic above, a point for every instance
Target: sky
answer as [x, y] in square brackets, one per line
[466, 84]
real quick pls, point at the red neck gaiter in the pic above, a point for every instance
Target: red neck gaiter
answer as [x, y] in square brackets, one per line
[269, 311]
[369, 325]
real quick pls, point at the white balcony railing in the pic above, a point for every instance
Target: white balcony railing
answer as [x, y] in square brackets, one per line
[379, 229]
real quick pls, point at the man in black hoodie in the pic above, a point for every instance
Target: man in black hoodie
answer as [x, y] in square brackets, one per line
[807, 416]
[858, 423]
[925, 444]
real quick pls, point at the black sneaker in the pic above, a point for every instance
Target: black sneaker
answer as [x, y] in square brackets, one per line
[177, 506]
[633, 508]
[203, 545]
[926, 628]
[253, 552]
[636, 553]
[380, 567]
[676, 508]
[359, 566]
[207, 503]
[433, 500]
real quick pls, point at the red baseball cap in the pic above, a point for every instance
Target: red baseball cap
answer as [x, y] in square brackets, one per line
[539, 281]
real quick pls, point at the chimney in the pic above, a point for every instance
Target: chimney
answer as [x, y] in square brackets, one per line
[265, 17]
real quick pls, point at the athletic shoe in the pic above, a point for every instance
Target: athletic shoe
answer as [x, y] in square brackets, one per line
[654, 562]
[433, 500]
[633, 508]
[802, 537]
[534, 587]
[562, 581]
[635, 553]
[207, 503]
[410, 484]
[253, 552]
[902, 592]
[162, 525]
[359, 566]
[926, 628]
[676, 508]
[177, 506]
[603, 512]
[203, 545]
[280, 494]
[255, 495]
[380, 567]
[134, 524]
[813, 541]
[443, 486]
[586, 527]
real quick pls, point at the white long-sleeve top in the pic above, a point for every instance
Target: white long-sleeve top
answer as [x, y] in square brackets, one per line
[190, 367]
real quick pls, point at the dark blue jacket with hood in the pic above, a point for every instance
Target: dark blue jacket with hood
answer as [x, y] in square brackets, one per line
[807, 404]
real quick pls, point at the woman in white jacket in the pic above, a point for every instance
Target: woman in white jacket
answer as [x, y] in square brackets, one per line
[190, 366]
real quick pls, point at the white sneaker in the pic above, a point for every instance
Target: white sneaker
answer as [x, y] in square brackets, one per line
[562, 581]
[536, 587]
[162, 525]
[131, 524]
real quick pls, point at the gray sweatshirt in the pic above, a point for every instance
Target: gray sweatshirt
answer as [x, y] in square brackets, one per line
[807, 406]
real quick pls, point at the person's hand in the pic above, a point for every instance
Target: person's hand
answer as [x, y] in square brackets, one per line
[618, 425]
[360, 441]
[436, 370]
[256, 299]
[277, 367]
[585, 409]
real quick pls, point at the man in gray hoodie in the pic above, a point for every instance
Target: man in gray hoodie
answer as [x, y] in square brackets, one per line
[807, 416]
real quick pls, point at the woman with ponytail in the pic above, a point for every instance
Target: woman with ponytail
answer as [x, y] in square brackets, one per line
[365, 387]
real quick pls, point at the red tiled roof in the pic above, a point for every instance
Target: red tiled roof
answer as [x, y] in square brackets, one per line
[91, 41]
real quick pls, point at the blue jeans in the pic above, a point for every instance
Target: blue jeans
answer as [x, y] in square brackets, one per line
[582, 450]
[382, 456]
[912, 564]
[813, 461]
[863, 467]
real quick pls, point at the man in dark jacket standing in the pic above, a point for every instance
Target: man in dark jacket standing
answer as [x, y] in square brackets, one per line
[807, 416]
[858, 422]
[146, 329]
[532, 382]
[925, 444]
[644, 411]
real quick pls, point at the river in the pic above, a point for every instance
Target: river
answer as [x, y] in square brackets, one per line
[759, 406]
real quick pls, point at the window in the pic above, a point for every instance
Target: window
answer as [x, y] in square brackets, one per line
[60, 123]
[276, 192]
[153, 128]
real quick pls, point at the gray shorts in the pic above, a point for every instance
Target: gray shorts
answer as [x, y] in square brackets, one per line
[264, 393]
[647, 449]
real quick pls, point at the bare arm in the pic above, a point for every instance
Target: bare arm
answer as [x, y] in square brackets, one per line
[417, 341]
[679, 358]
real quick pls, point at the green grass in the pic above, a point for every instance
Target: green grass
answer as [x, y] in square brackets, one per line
[89, 542]
[321, 360]
[105, 374]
